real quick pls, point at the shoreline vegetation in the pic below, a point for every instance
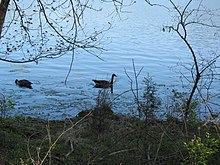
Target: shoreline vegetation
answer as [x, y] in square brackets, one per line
[99, 136]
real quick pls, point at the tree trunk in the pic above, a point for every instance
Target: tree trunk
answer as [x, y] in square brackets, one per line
[3, 10]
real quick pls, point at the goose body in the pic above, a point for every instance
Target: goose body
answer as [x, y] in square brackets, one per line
[23, 83]
[105, 83]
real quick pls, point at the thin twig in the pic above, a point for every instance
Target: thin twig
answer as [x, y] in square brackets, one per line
[64, 132]
[158, 148]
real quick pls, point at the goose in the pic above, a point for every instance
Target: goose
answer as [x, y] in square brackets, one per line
[23, 83]
[105, 83]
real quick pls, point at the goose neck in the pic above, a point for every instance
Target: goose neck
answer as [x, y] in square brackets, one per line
[112, 79]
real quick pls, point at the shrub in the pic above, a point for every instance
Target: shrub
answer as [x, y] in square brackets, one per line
[199, 151]
[101, 113]
[151, 101]
[5, 104]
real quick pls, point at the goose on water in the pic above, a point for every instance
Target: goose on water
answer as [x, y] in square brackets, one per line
[23, 83]
[105, 83]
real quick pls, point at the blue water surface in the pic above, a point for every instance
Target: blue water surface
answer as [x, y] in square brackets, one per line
[137, 34]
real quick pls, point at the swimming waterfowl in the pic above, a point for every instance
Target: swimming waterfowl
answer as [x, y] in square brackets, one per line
[105, 83]
[23, 83]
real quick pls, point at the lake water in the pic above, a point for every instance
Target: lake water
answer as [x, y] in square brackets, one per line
[137, 35]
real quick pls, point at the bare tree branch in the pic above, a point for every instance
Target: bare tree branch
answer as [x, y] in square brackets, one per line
[186, 15]
[38, 28]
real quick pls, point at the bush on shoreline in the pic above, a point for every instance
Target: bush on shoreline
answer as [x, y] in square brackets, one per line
[126, 140]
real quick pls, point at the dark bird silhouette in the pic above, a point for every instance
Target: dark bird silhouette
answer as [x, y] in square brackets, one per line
[105, 83]
[23, 83]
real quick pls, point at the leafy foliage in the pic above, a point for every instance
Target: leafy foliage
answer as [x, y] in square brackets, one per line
[101, 113]
[178, 106]
[151, 102]
[5, 104]
[199, 150]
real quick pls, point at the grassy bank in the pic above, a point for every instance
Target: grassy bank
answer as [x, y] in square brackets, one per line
[101, 137]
